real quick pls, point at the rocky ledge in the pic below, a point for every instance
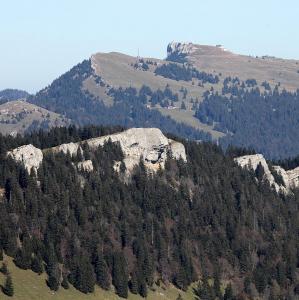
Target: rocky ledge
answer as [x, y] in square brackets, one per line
[29, 155]
[290, 177]
[147, 143]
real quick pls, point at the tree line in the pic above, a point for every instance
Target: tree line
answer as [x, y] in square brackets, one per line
[205, 219]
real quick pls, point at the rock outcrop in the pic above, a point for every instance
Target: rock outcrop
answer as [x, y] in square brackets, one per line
[147, 143]
[28, 155]
[85, 165]
[289, 177]
[177, 48]
[71, 148]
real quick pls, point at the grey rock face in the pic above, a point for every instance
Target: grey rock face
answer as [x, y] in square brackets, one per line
[147, 143]
[180, 48]
[290, 177]
[29, 155]
[86, 166]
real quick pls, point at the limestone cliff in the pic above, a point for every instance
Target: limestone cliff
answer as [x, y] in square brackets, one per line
[290, 177]
[29, 155]
[147, 143]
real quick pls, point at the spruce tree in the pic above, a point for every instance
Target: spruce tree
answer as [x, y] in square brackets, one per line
[1, 254]
[228, 294]
[4, 268]
[37, 264]
[8, 288]
[64, 282]
[143, 289]
[84, 278]
[134, 283]
[53, 282]
[119, 275]
[101, 271]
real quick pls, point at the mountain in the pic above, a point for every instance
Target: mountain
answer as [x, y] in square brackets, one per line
[199, 215]
[12, 94]
[198, 92]
[211, 59]
[18, 116]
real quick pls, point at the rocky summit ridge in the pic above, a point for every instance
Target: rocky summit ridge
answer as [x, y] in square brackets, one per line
[290, 178]
[148, 144]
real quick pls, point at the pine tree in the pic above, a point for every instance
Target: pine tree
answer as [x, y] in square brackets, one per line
[119, 275]
[37, 264]
[22, 259]
[84, 279]
[134, 283]
[183, 105]
[8, 288]
[53, 282]
[143, 289]
[228, 294]
[217, 284]
[4, 268]
[64, 282]
[101, 271]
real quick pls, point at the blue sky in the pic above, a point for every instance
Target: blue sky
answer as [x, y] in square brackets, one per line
[39, 40]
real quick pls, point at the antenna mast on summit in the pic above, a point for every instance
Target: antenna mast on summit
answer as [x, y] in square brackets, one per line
[138, 54]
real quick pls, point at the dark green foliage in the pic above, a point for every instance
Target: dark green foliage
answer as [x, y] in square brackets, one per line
[181, 72]
[82, 275]
[190, 216]
[64, 282]
[247, 283]
[134, 283]
[228, 294]
[53, 282]
[265, 121]
[8, 288]
[23, 259]
[37, 264]
[4, 269]
[259, 172]
[204, 291]
[260, 278]
[120, 275]
[102, 272]
[217, 284]
[12, 94]
[143, 289]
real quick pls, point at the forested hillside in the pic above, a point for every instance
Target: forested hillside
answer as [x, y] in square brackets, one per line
[66, 96]
[203, 219]
[265, 120]
[12, 94]
[246, 113]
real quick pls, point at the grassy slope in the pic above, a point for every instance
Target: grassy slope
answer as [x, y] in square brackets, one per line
[30, 286]
[116, 70]
[9, 110]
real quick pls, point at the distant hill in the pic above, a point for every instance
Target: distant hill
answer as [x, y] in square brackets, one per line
[19, 116]
[12, 94]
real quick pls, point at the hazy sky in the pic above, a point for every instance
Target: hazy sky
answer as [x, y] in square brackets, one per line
[40, 40]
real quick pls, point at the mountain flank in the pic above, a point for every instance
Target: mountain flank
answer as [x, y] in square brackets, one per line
[19, 116]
